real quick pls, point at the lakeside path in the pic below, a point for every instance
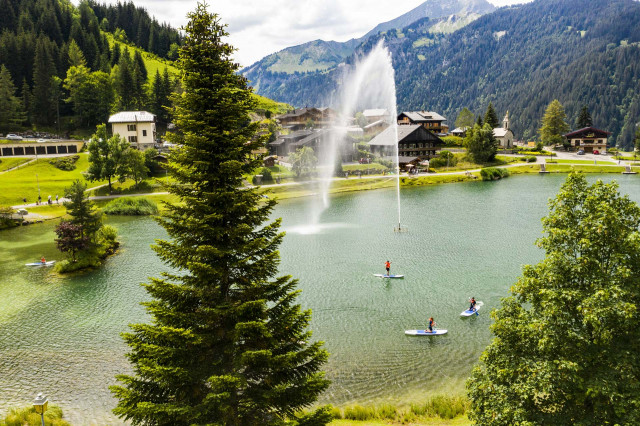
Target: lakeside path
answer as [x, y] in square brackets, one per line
[539, 160]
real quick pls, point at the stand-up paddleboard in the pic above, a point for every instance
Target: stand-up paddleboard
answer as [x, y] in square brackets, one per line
[436, 332]
[49, 263]
[470, 312]
[388, 276]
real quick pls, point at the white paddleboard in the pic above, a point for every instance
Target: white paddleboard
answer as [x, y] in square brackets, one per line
[468, 312]
[436, 332]
[388, 276]
[49, 263]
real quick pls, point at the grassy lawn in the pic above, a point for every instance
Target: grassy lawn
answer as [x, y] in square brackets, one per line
[148, 185]
[7, 163]
[152, 62]
[459, 421]
[559, 161]
[568, 168]
[49, 211]
[465, 163]
[22, 182]
[363, 167]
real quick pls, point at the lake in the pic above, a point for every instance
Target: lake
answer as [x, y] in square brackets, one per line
[61, 336]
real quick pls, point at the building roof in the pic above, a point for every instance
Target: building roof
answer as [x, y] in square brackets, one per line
[375, 112]
[500, 132]
[586, 132]
[460, 130]
[388, 136]
[375, 124]
[132, 117]
[298, 112]
[422, 116]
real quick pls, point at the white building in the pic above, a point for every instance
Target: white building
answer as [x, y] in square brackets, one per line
[137, 127]
[373, 115]
[503, 134]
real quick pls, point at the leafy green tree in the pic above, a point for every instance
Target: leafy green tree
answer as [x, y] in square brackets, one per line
[584, 118]
[107, 157]
[481, 145]
[554, 124]
[11, 114]
[465, 119]
[636, 142]
[566, 340]
[82, 211]
[135, 164]
[226, 344]
[361, 120]
[303, 161]
[491, 117]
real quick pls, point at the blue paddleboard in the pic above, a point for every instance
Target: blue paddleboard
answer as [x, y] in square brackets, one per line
[436, 332]
[470, 312]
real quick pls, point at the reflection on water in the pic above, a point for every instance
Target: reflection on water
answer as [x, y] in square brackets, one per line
[61, 336]
[316, 228]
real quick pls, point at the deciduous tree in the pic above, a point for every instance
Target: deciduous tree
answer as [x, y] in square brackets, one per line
[566, 340]
[303, 161]
[465, 119]
[70, 238]
[226, 344]
[554, 124]
[481, 144]
[107, 159]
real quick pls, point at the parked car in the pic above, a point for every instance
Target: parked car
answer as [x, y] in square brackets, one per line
[41, 140]
[596, 152]
[13, 137]
[581, 152]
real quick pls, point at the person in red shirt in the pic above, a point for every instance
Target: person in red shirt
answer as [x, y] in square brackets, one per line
[388, 266]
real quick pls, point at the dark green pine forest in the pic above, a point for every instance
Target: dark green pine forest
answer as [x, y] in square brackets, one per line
[581, 52]
[61, 63]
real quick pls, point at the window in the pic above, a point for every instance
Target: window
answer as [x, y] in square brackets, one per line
[131, 127]
[133, 139]
[144, 133]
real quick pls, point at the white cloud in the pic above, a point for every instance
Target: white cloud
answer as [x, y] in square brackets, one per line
[258, 28]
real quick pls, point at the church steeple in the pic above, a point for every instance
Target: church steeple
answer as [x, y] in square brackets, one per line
[505, 121]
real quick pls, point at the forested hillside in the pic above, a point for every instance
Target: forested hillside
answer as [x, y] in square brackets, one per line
[57, 59]
[520, 58]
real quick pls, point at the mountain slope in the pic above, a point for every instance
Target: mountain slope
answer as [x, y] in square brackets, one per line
[434, 9]
[320, 55]
[520, 58]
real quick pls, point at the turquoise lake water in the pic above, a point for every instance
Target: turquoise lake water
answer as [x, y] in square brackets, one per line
[61, 336]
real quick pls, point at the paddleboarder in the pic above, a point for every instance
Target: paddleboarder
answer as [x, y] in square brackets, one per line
[43, 260]
[472, 304]
[432, 324]
[387, 265]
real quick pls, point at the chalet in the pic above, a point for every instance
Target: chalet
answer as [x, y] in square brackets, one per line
[460, 131]
[503, 134]
[588, 139]
[298, 118]
[137, 127]
[282, 145]
[373, 115]
[428, 119]
[375, 127]
[413, 141]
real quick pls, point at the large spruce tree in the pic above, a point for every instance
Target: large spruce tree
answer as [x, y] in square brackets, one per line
[227, 344]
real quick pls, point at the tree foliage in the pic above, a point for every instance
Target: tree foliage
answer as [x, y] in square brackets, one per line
[11, 113]
[491, 117]
[83, 212]
[465, 119]
[108, 157]
[566, 340]
[481, 145]
[554, 124]
[227, 344]
[303, 161]
[70, 238]
[584, 118]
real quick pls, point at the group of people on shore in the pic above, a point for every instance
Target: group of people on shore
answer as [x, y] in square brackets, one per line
[39, 201]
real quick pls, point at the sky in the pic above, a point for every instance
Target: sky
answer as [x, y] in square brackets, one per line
[258, 28]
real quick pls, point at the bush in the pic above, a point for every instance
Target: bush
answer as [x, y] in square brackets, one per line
[28, 416]
[493, 173]
[107, 234]
[131, 206]
[65, 163]
[358, 412]
[530, 158]
[452, 140]
[441, 159]
[446, 407]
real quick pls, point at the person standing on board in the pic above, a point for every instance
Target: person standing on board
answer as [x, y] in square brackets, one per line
[387, 265]
[43, 260]
[472, 306]
[432, 324]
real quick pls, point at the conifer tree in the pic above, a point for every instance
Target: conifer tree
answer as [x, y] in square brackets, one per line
[227, 344]
[82, 211]
[584, 118]
[11, 113]
[491, 117]
[43, 70]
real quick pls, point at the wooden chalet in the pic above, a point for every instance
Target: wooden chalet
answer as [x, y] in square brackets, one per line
[298, 118]
[588, 139]
[413, 141]
[428, 119]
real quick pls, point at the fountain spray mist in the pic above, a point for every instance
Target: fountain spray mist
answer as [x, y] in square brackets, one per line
[368, 84]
